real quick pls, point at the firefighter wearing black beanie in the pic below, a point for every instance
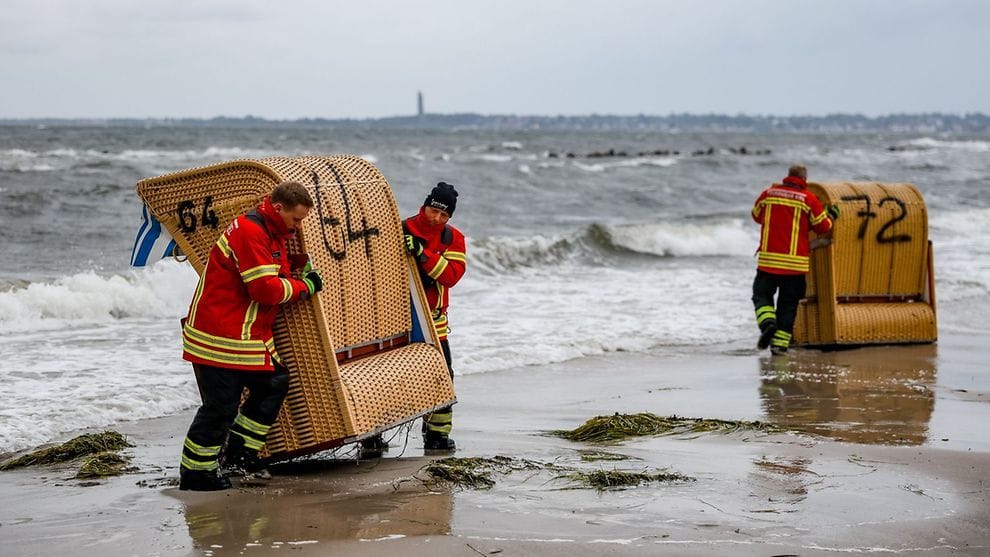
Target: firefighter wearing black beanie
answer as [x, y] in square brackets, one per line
[443, 197]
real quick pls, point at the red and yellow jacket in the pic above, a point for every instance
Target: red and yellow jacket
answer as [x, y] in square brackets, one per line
[786, 212]
[247, 276]
[441, 265]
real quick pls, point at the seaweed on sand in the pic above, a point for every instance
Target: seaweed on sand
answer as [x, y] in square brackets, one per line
[87, 444]
[102, 465]
[478, 473]
[475, 472]
[593, 456]
[619, 479]
[621, 426]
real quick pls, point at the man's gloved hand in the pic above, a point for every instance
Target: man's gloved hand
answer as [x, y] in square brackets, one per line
[833, 211]
[413, 245]
[313, 280]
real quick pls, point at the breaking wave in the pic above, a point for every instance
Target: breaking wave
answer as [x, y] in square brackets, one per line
[702, 238]
[161, 290]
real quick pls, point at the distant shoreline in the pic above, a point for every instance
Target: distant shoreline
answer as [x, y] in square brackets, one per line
[935, 123]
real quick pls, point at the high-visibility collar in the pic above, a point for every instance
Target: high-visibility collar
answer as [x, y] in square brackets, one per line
[796, 182]
[423, 223]
[273, 221]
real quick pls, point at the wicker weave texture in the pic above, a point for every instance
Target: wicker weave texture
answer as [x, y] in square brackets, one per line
[187, 202]
[353, 236]
[880, 239]
[875, 261]
[361, 253]
[806, 326]
[387, 387]
[867, 323]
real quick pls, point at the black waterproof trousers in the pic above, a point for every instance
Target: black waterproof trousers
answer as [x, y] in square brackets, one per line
[789, 290]
[221, 390]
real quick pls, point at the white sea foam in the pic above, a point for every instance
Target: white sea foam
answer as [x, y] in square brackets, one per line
[161, 290]
[634, 162]
[495, 158]
[975, 146]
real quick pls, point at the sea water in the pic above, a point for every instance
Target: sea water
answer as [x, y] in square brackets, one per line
[569, 256]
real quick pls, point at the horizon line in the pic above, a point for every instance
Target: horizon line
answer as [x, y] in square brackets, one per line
[427, 115]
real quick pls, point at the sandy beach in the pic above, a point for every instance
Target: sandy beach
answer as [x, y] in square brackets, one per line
[887, 455]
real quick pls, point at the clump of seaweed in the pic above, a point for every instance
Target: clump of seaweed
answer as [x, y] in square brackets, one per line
[453, 475]
[620, 479]
[621, 426]
[102, 464]
[594, 456]
[476, 472]
[87, 444]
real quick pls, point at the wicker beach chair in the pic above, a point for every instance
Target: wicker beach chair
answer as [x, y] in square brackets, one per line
[363, 355]
[871, 279]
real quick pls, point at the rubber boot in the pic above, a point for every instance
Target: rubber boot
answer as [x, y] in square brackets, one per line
[202, 480]
[438, 443]
[781, 341]
[767, 330]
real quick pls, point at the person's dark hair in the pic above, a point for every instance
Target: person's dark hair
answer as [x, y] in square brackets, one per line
[799, 171]
[291, 194]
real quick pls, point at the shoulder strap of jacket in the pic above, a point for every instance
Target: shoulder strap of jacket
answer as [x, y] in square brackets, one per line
[256, 217]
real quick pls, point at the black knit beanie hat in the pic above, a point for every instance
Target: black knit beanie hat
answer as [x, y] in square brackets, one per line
[443, 197]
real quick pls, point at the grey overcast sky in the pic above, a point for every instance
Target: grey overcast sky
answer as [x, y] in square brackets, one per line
[368, 58]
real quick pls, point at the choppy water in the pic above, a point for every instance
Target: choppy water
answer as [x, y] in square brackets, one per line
[568, 257]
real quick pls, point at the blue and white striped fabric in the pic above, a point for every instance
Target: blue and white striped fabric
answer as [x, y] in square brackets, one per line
[152, 242]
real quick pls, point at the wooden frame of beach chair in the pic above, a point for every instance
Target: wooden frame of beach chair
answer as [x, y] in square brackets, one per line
[363, 354]
[871, 279]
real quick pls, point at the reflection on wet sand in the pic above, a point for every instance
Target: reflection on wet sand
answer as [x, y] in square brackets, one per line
[299, 508]
[861, 395]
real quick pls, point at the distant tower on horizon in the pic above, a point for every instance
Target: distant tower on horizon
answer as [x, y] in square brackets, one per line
[419, 103]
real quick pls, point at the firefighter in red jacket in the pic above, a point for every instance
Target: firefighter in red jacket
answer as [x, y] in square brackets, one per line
[227, 335]
[785, 212]
[439, 250]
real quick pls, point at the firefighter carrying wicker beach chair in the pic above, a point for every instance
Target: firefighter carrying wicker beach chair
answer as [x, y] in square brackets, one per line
[363, 355]
[871, 279]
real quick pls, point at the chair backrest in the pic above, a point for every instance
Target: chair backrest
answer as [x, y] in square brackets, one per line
[880, 242]
[871, 278]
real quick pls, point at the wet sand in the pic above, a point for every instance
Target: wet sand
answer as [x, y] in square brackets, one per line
[889, 453]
